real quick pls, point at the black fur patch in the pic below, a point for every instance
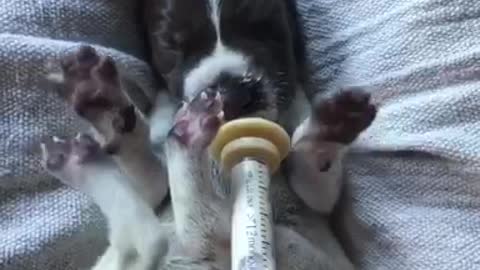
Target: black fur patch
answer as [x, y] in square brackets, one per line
[181, 34]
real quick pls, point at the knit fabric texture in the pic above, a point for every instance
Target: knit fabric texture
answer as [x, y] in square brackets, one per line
[414, 173]
[45, 225]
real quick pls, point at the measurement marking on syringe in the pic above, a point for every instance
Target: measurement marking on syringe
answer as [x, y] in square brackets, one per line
[255, 243]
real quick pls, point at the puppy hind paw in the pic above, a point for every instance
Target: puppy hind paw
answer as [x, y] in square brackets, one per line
[65, 158]
[343, 116]
[54, 152]
[91, 85]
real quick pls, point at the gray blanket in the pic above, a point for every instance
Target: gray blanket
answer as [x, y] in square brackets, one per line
[414, 173]
[43, 224]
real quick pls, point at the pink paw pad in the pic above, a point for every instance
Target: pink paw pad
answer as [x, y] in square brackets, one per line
[92, 87]
[197, 122]
[344, 115]
[57, 153]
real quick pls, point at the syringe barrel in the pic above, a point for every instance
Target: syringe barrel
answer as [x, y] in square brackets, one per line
[252, 230]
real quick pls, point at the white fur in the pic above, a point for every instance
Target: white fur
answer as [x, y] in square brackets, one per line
[298, 111]
[133, 226]
[306, 179]
[137, 160]
[182, 188]
[207, 71]
[221, 59]
[162, 118]
[215, 10]
[194, 199]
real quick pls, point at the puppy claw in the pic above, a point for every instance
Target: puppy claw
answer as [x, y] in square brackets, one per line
[67, 159]
[56, 78]
[57, 139]
[197, 123]
[43, 152]
[221, 116]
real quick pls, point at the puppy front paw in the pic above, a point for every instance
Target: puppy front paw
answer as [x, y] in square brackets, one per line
[197, 122]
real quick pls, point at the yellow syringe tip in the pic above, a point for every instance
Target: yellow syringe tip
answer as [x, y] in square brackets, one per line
[272, 135]
[250, 147]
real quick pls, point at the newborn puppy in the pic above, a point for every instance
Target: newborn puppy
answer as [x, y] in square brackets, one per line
[244, 51]
[251, 52]
[89, 82]
[200, 236]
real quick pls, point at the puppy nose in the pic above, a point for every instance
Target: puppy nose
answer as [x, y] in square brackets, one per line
[238, 101]
[239, 98]
[234, 103]
[240, 94]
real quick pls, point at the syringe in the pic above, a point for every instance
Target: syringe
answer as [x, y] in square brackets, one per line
[251, 149]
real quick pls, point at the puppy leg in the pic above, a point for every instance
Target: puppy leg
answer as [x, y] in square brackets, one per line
[201, 217]
[135, 233]
[320, 143]
[90, 83]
